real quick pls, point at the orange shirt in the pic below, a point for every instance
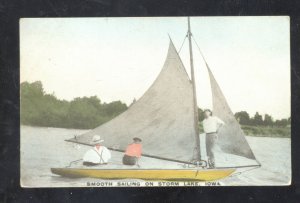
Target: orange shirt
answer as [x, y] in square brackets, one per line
[134, 150]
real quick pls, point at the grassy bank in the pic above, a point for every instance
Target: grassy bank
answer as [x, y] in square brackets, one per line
[266, 131]
[263, 131]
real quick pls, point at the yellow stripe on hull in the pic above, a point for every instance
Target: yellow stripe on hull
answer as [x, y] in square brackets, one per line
[151, 174]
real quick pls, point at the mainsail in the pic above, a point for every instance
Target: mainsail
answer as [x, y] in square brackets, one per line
[231, 137]
[163, 117]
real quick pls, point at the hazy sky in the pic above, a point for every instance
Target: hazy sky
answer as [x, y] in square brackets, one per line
[119, 58]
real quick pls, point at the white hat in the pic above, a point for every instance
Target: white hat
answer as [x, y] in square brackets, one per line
[96, 139]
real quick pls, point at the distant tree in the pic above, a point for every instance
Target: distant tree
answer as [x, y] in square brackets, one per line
[257, 119]
[268, 120]
[114, 108]
[282, 122]
[82, 113]
[32, 90]
[31, 96]
[242, 117]
[95, 101]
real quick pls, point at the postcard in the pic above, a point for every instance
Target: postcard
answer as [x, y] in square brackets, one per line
[155, 101]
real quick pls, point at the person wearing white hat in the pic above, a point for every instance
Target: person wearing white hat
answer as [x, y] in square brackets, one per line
[99, 154]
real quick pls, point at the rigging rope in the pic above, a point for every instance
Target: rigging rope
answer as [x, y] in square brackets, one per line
[72, 162]
[183, 43]
[199, 50]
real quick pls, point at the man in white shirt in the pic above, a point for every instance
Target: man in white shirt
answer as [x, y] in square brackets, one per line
[98, 154]
[211, 125]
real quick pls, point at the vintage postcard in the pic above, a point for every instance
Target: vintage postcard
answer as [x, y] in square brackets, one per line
[146, 102]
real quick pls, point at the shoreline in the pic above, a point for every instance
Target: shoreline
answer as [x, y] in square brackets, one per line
[245, 131]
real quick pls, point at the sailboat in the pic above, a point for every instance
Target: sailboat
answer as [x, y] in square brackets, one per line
[166, 119]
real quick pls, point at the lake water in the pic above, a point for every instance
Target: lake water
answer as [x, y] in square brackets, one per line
[43, 148]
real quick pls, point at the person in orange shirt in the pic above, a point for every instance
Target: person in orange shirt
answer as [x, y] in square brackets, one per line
[133, 152]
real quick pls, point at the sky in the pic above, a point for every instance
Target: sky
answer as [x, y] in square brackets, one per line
[119, 58]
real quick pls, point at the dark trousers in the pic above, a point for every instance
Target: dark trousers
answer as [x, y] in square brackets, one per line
[129, 160]
[211, 139]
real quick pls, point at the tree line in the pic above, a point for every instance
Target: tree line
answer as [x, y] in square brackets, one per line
[259, 120]
[244, 118]
[41, 109]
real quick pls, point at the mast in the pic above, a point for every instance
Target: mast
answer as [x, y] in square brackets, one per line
[197, 139]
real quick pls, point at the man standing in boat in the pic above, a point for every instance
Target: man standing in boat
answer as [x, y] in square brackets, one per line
[133, 152]
[211, 126]
[99, 154]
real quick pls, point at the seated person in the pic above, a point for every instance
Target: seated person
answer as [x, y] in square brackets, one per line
[99, 154]
[133, 152]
